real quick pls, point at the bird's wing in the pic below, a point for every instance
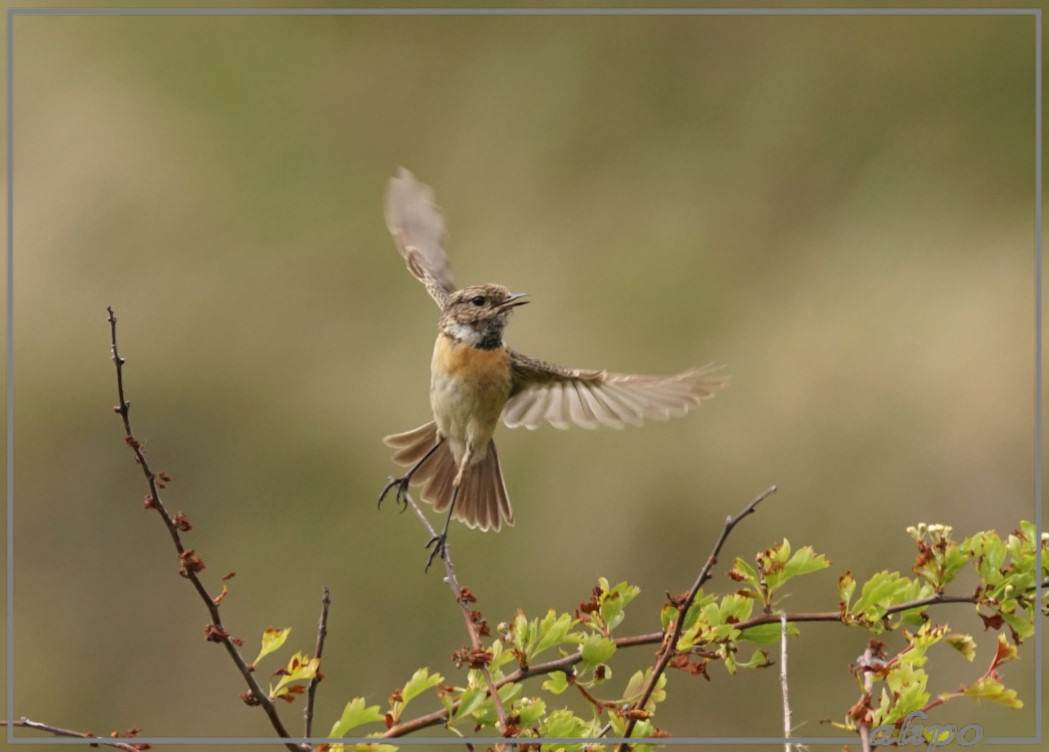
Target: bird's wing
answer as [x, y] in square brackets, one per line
[564, 396]
[418, 229]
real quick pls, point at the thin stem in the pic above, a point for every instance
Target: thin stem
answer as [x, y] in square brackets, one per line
[58, 731]
[787, 723]
[190, 563]
[462, 598]
[867, 666]
[669, 647]
[322, 632]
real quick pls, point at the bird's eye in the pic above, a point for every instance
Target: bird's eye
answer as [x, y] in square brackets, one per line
[478, 301]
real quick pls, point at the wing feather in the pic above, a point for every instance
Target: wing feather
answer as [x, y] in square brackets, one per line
[628, 406]
[563, 396]
[536, 411]
[580, 409]
[603, 410]
[418, 229]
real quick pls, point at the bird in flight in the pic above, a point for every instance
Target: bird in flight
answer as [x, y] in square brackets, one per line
[475, 380]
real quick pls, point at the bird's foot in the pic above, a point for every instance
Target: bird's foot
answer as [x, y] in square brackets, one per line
[439, 543]
[402, 490]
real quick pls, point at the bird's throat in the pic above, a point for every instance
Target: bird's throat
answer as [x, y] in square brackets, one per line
[489, 338]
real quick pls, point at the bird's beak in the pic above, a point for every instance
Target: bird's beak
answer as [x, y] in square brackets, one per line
[513, 300]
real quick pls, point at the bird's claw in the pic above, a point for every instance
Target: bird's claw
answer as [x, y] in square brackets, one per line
[439, 543]
[402, 490]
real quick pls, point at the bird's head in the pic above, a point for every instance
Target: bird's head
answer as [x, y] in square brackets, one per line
[478, 314]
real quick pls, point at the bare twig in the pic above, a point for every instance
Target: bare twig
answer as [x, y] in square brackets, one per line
[322, 632]
[190, 563]
[479, 659]
[58, 731]
[868, 667]
[669, 647]
[787, 724]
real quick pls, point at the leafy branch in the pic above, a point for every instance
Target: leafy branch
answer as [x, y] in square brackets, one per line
[713, 629]
[574, 651]
[671, 645]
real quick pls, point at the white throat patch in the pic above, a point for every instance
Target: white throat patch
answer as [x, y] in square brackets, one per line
[464, 333]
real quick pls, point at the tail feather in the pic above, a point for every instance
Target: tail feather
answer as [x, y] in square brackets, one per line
[482, 501]
[412, 445]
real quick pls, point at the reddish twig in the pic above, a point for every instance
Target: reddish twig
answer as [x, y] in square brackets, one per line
[565, 663]
[669, 647]
[58, 731]
[464, 597]
[190, 563]
[322, 632]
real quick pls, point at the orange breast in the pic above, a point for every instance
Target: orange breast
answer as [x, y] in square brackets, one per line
[462, 361]
[468, 389]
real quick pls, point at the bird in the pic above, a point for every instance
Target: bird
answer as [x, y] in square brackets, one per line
[476, 380]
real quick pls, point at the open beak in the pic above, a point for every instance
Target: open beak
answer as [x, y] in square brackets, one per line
[514, 300]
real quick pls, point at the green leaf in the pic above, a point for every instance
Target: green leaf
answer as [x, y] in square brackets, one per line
[500, 657]
[964, 644]
[272, 639]
[522, 633]
[485, 714]
[556, 683]
[911, 695]
[508, 692]
[362, 747]
[743, 572]
[596, 650]
[767, 634]
[989, 688]
[1005, 652]
[954, 560]
[879, 593]
[771, 563]
[301, 668]
[735, 608]
[421, 681]
[564, 724]
[667, 614]
[846, 587]
[353, 715]
[1024, 628]
[552, 630]
[614, 601]
[758, 659]
[989, 551]
[531, 711]
[805, 561]
[634, 687]
[470, 701]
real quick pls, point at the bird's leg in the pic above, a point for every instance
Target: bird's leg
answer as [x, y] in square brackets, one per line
[438, 541]
[402, 482]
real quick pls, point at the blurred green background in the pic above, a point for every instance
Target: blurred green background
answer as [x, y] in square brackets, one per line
[840, 209]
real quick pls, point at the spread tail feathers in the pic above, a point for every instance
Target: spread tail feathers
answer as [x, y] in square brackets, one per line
[482, 502]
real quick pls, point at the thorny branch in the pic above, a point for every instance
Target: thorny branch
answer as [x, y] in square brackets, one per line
[322, 632]
[669, 647]
[190, 563]
[566, 662]
[97, 741]
[475, 626]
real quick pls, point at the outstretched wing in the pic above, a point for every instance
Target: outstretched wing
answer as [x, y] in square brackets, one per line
[564, 396]
[417, 226]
